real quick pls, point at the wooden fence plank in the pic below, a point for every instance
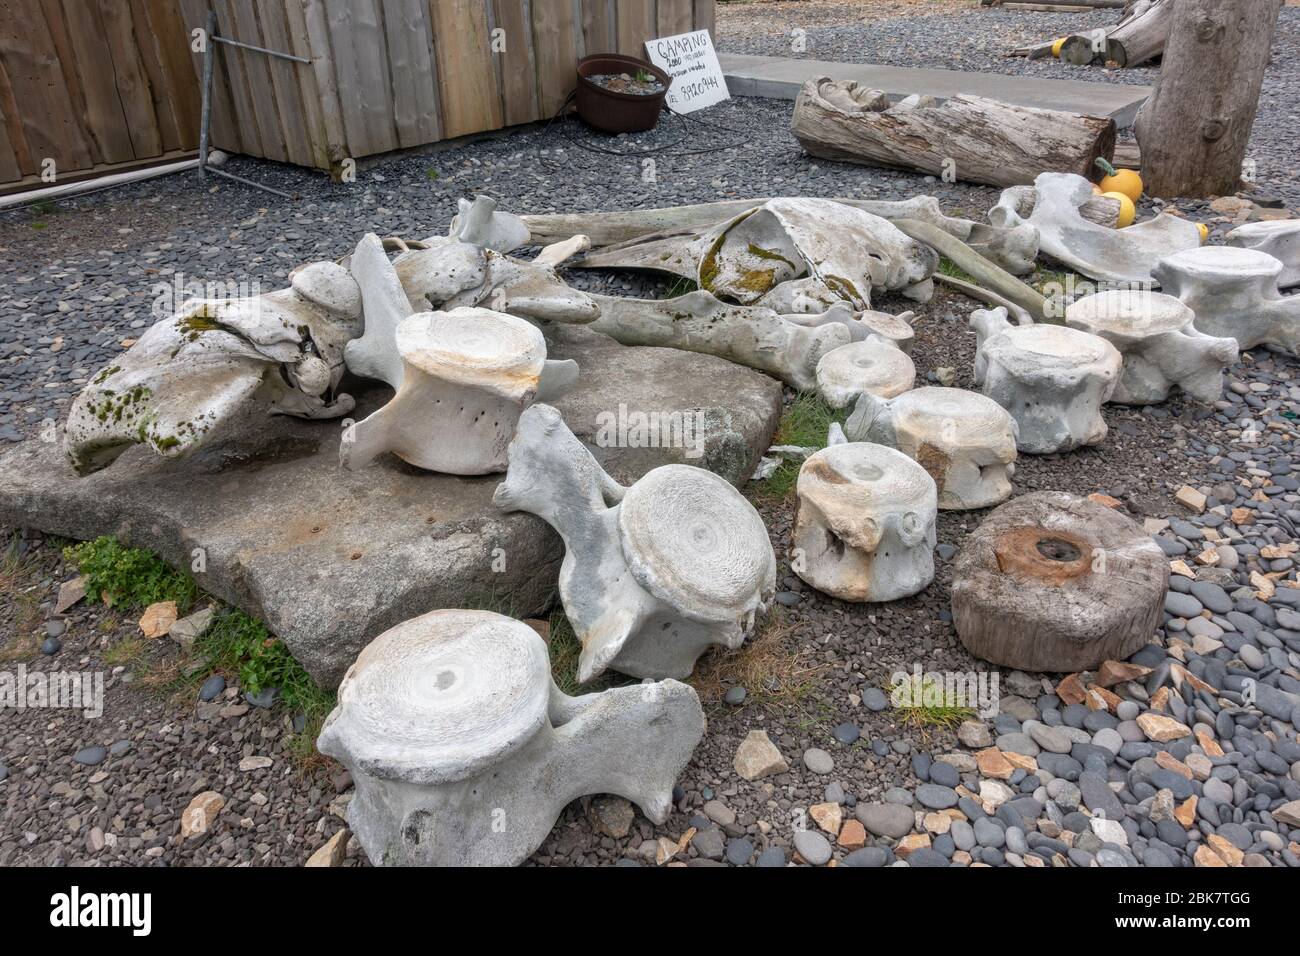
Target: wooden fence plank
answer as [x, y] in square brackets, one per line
[284, 83]
[230, 59]
[317, 34]
[706, 15]
[50, 125]
[53, 12]
[164, 31]
[600, 26]
[130, 79]
[554, 40]
[225, 133]
[410, 62]
[636, 24]
[675, 16]
[243, 26]
[318, 133]
[15, 159]
[516, 64]
[466, 78]
[165, 106]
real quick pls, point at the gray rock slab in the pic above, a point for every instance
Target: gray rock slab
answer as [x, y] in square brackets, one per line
[780, 78]
[330, 558]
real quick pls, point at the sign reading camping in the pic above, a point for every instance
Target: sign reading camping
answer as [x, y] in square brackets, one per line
[692, 62]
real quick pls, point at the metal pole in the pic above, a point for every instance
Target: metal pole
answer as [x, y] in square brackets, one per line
[206, 116]
[260, 49]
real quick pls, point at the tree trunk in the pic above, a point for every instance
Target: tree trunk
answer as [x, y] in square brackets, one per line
[967, 137]
[1194, 129]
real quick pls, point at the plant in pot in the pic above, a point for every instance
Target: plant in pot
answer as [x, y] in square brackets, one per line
[620, 94]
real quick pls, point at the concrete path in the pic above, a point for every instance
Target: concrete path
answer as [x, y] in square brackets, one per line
[780, 78]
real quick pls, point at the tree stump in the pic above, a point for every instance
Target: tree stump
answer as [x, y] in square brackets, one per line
[1194, 129]
[1054, 582]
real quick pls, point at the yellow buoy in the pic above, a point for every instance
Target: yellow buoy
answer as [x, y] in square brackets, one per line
[1204, 230]
[1056, 47]
[1127, 210]
[1125, 181]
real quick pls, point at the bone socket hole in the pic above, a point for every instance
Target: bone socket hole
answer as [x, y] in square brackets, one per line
[1054, 549]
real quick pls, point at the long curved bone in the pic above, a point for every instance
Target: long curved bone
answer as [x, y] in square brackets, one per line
[847, 251]
[1160, 346]
[748, 335]
[1279, 239]
[653, 574]
[468, 375]
[1116, 255]
[1052, 380]
[464, 752]
[964, 440]
[189, 373]
[1233, 293]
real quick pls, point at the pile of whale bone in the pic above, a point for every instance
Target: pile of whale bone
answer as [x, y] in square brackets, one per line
[451, 716]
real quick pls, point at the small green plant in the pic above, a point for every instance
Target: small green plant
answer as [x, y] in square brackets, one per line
[949, 268]
[129, 577]
[644, 76]
[805, 424]
[239, 644]
[924, 704]
[432, 175]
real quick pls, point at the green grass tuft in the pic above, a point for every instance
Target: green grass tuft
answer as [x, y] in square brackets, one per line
[949, 268]
[804, 423]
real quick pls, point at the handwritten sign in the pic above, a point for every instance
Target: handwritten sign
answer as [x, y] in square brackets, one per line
[692, 62]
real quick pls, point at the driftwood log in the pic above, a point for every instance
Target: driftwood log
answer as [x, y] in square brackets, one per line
[969, 137]
[1194, 128]
[1053, 582]
[1135, 40]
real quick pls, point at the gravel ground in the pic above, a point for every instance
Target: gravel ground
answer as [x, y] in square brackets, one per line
[77, 280]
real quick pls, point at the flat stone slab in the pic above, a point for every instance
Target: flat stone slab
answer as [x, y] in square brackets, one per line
[778, 77]
[330, 558]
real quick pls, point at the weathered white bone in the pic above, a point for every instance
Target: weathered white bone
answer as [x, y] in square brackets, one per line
[864, 529]
[191, 372]
[1117, 255]
[527, 289]
[748, 335]
[964, 440]
[895, 329]
[653, 574]
[847, 251]
[468, 375]
[1280, 239]
[1234, 294]
[480, 224]
[1052, 379]
[384, 305]
[1160, 346]
[464, 752]
[872, 366]
[558, 252]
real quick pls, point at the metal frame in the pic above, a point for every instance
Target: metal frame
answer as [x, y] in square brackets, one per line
[205, 122]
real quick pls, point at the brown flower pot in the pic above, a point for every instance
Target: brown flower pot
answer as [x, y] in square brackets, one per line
[615, 112]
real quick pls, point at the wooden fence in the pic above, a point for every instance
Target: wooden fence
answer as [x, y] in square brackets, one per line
[91, 86]
[113, 83]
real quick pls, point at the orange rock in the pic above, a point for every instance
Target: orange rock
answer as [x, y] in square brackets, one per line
[1162, 729]
[158, 619]
[913, 841]
[1183, 674]
[1242, 516]
[1207, 857]
[1106, 500]
[1209, 744]
[1117, 672]
[1099, 698]
[1185, 812]
[828, 816]
[1229, 853]
[853, 836]
[1070, 690]
[1170, 762]
[1020, 761]
[1160, 698]
[992, 762]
